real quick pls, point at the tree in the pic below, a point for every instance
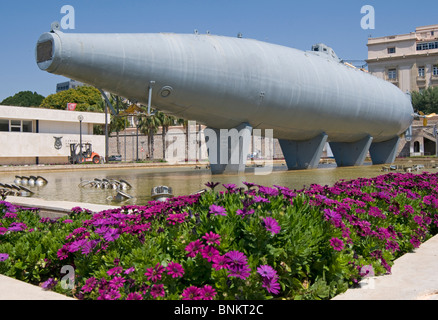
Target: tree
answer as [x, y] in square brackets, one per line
[185, 124]
[426, 100]
[24, 99]
[149, 125]
[165, 121]
[87, 99]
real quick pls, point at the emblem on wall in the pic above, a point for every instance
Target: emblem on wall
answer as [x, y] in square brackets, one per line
[58, 143]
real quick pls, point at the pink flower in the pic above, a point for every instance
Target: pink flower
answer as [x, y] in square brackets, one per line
[219, 262]
[115, 270]
[209, 253]
[175, 270]
[271, 225]
[193, 248]
[271, 285]
[157, 291]
[212, 238]
[218, 210]
[239, 271]
[337, 244]
[154, 274]
[134, 296]
[191, 293]
[207, 292]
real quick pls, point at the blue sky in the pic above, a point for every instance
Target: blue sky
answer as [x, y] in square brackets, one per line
[289, 23]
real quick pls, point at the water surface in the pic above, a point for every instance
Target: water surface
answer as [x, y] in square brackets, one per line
[64, 185]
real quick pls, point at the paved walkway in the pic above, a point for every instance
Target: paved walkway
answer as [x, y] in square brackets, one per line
[414, 275]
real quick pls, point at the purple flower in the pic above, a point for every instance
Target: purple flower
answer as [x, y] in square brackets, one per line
[175, 270]
[212, 238]
[415, 242]
[209, 253]
[267, 271]
[17, 226]
[3, 230]
[244, 212]
[337, 244]
[3, 256]
[271, 285]
[207, 292]
[157, 290]
[218, 210]
[193, 248]
[212, 185]
[219, 262]
[90, 284]
[111, 235]
[268, 191]
[249, 185]
[236, 258]
[11, 215]
[117, 282]
[115, 270]
[111, 294]
[134, 296]
[89, 246]
[154, 274]
[271, 225]
[49, 284]
[77, 245]
[230, 187]
[191, 293]
[129, 270]
[239, 271]
[261, 199]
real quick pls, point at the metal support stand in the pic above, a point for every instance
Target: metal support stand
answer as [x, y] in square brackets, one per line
[303, 154]
[226, 157]
[348, 154]
[384, 152]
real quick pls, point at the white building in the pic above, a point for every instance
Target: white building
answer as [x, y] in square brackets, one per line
[409, 61]
[43, 136]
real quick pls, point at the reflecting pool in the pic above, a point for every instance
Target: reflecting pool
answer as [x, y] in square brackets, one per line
[65, 185]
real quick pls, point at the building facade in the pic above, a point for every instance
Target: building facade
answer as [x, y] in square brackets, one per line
[409, 61]
[43, 136]
[71, 84]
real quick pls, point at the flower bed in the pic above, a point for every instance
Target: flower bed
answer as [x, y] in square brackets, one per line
[256, 242]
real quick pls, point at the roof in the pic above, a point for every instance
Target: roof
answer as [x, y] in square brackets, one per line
[26, 113]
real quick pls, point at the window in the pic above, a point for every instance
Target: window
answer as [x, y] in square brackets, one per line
[27, 126]
[4, 125]
[435, 71]
[392, 74]
[15, 125]
[427, 45]
[421, 72]
[391, 50]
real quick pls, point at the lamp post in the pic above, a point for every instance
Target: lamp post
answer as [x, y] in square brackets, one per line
[80, 118]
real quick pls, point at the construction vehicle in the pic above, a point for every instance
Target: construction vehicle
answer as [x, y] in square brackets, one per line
[87, 154]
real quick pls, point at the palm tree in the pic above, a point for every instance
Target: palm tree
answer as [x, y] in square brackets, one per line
[118, 122]
[149, 126]
[185, 124]
[165, 121]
